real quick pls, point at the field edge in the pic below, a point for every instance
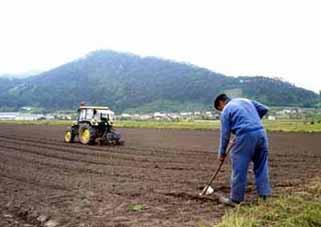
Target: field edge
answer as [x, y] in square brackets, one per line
[271, 126]
[300, 208]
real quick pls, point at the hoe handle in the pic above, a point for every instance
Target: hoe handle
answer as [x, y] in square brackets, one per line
[218, 169]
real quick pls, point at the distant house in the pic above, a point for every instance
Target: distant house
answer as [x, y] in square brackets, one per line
[50, 117]
[173, 116]
[124, 116]
[30, 117]
[271, 118]
[8, 115]
[186, 114]
[136, 116]
[26, 108]
[159, 116]
[146, 117]
[62, 116]
[21, 116]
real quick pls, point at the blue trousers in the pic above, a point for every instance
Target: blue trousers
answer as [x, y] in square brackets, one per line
[250, 146]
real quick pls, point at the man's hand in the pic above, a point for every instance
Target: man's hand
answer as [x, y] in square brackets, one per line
[221, 157]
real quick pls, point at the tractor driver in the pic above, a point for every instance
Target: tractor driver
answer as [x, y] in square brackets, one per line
[95, 114]
[242, 117]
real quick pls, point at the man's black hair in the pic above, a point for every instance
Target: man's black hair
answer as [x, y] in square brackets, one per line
[222, 97]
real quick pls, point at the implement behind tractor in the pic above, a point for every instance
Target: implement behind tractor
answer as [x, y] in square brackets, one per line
[94, 124]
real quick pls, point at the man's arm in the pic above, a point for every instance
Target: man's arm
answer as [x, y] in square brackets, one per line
[225, 133]
[260, 108]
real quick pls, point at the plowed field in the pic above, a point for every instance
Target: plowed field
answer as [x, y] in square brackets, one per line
[153, 180]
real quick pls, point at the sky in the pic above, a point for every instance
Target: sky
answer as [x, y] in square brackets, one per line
[274, 38]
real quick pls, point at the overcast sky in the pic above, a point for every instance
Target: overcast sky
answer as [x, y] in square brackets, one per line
[275, 38]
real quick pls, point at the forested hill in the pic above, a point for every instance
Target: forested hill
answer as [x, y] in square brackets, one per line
[127, 82]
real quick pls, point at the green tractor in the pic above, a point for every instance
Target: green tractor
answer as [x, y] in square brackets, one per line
[94, 124]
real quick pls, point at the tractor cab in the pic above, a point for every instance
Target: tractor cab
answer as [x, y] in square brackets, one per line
[95, 115]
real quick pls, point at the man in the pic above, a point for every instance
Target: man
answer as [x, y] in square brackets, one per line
[242, 117]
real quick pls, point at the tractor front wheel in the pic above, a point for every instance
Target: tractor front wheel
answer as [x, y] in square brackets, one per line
[69, 136]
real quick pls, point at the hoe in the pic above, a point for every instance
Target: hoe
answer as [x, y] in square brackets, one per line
[207, 190]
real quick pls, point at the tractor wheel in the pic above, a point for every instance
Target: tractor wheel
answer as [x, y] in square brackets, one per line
[69, 136]
[87, 134]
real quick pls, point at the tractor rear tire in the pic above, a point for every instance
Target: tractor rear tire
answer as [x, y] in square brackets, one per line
[87, 134]
[69, 136]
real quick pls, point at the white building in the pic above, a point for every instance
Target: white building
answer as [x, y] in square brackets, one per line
[271, 118]
[20, 116]
[8, 115]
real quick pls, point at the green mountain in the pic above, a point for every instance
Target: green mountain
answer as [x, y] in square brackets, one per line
[128, 82]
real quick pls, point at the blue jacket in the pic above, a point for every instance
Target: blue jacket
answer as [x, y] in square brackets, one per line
[239, 116]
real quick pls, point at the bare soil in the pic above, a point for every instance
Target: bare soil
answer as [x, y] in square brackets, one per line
[153, 180]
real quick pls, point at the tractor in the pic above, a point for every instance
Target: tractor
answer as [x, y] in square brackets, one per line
[94, 124]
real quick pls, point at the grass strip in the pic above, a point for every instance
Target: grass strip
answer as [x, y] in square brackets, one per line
[296, 209]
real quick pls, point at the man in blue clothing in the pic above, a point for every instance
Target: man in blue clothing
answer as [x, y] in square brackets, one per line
[242, 117]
